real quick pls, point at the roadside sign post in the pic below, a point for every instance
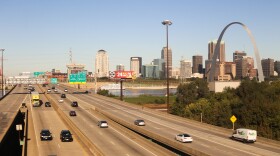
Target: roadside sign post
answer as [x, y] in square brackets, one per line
[233, 119]
[122, 75]
[19, 128]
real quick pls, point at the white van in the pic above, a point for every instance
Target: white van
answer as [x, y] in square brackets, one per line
[245, 135]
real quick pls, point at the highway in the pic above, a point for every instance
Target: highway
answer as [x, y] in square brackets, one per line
[118, 139]
[46, 118]
[208, 139]
[110, 140]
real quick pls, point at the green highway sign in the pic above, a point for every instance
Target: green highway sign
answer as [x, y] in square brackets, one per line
[53, 80]
[36, 74]
[79, 78]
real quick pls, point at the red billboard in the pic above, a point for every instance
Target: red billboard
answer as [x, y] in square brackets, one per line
[122, 74]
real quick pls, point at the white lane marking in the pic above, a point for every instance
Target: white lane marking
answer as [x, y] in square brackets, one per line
[121, 133]
[125, 110]
[34, 125]
[133, 141]
[58, 145]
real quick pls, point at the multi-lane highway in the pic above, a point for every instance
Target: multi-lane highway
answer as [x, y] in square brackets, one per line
[46, 118]
[112, 140]
[207, 139]
[118, 138]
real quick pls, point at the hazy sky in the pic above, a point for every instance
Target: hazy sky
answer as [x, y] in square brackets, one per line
[37, 35]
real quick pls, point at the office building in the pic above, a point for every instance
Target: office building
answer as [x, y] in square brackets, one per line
[227, 71]
[136, 65]
[277, 67]
[211, 49]
[185, 69]
[197, 66]
[164, 56]
[161, 66]
[120, 67]
[238, 55]
[102, 64]
[268, 67]
[243, 67]
[150, 71]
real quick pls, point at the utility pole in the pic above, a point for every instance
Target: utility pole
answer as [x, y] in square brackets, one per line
[2, 72]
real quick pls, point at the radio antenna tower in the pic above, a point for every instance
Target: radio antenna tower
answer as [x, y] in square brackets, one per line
[70, 56]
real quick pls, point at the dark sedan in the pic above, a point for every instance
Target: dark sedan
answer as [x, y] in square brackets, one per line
[45, 134]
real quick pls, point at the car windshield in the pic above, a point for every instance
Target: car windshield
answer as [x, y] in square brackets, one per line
[186, 135]
[45, 132]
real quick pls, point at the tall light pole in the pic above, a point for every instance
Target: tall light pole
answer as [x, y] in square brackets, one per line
[2, 72]
[167, 23]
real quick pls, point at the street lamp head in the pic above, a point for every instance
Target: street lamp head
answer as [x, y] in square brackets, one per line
[166, 22]
[2, 49]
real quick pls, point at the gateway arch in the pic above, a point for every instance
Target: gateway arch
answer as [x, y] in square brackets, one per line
[217, 48]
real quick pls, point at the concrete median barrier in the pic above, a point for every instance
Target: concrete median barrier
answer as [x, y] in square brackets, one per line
[74, 129]
[170, 142]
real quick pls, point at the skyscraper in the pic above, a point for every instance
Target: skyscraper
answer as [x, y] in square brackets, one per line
[197, 64]
[161, 66]
[211, 49]
[243, 66]
[268, 67]
[102, 64]
[238, 55]
[185, 69]
[164, 56]
[136, 65]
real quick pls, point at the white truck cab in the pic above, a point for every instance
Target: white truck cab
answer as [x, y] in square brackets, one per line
[245, 135]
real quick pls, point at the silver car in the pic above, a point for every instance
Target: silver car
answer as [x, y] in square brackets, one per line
[183, 138]
[139, 122]
[102, 124]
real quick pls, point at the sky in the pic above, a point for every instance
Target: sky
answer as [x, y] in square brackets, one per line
[37, 35]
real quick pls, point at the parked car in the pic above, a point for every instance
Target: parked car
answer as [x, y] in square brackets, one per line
[45, 134]
[72, 113]
[47, 104]
[183, 138]
[63, 96]
[65, 135]
[49, 90]
[60, 100]
[139, 122]
[65, 90]
[74, 104]
[102, 124]
[55, 90]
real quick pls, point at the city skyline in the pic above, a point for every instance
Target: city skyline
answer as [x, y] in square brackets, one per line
[37, 36]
